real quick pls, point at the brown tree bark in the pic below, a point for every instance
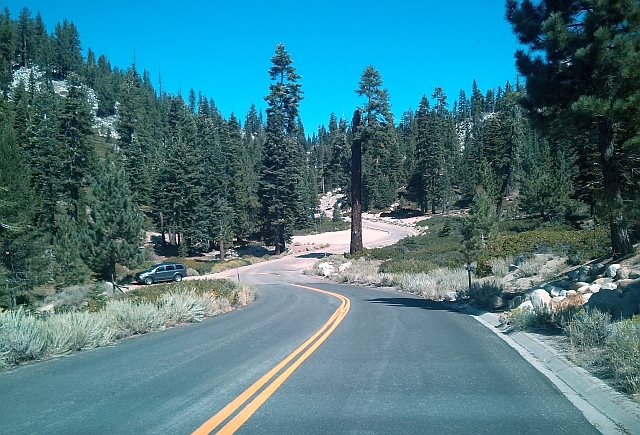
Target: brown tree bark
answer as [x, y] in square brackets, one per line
[164, 242]
[611, 178]
[221, 243]
[356, 186]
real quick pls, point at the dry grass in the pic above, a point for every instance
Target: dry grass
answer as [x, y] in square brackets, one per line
[25, 336]
[500, 266]
[433, 285]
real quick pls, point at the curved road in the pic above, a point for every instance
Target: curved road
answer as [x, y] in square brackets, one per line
[390, 363]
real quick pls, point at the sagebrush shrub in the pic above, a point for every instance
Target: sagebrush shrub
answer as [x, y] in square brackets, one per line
[588, 328]
[500, 266]
[131, 318]
[68, 332]
[21, 337]
[484, 289]
[623, 354]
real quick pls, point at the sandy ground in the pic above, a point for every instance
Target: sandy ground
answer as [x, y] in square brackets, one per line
[374, 234]
[307, 250]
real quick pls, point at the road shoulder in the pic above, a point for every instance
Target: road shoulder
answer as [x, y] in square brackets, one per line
[608, 410]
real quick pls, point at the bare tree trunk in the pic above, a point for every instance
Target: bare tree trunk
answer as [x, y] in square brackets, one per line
[164, 242]
[620, 238]
[356, 186]
[221, 242]
[279, 239]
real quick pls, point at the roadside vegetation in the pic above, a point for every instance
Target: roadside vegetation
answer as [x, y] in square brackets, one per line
[27, 336]
[432, 265]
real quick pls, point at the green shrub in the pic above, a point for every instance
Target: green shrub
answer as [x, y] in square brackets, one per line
[21, 337]
[588, 328]
[435, 284]
[73, 331]
[131, 318]
[526, 316]
[522, 318]
[153, 293]
[531, 266]
[483, 290]
[25, 336]
[500, 266]
[623, 354]
[591, 243]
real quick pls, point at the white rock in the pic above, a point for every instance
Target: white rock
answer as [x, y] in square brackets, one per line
[540, 299]
[327, 268]
[557, 299]
[611, 270]
[552, 290]
[594, 288]
[586, 296]
[47, 309]
[344, 266]
[622, 273]
[451, 296]
[578, 285]
[608, 286]
[584, 289]
[525, 305]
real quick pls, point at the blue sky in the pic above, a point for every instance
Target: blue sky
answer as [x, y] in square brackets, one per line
[222, 49]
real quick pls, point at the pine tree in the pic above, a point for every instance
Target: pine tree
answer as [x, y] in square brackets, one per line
[45, 155]
[481, 222]
[79, 156]
[242, 184]
[115, 224]
[546, 183]
[19, 242]
[442, 153]
[8, 39]
[424, 132]
[129, 127]
[583, 67]
[179, 182]
[340, 158]
[282, 175]
[381, 157]
[67, 50]
[104, 88]
[25, 34]
[71, 245]
[42, 45]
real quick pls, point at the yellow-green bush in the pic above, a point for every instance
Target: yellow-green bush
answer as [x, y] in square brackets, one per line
[622, 355]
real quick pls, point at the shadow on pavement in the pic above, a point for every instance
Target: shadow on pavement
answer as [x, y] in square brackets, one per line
[314, 255]
[414, 303]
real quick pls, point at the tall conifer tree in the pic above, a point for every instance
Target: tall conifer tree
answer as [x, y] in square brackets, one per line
[583, 66]
[282, 173]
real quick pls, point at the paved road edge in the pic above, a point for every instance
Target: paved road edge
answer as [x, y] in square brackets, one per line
[606, 409]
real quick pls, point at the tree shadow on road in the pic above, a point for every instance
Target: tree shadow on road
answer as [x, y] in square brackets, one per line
[314, 255]
[424, 304]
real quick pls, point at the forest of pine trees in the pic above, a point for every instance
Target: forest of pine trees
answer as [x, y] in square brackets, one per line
[75, 200]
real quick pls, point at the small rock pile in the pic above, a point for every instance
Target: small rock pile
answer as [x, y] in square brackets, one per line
[610, 288]
[328, 268]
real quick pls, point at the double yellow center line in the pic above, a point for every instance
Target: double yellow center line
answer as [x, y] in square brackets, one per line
[265, 385]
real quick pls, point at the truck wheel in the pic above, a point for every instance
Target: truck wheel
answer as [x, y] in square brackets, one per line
[148, 280]
[177, 278]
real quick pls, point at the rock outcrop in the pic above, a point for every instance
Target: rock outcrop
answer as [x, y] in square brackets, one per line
[610, 288]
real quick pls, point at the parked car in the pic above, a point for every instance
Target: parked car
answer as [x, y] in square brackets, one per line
[162, 272]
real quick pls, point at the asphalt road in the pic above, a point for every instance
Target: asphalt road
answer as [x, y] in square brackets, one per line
[395, 365]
